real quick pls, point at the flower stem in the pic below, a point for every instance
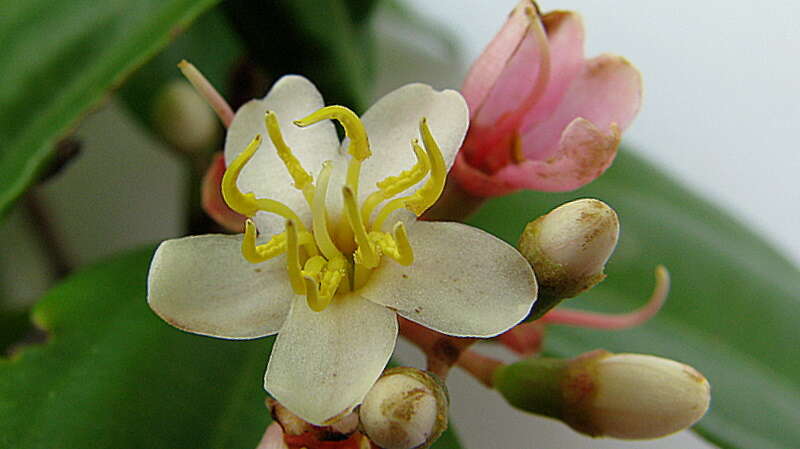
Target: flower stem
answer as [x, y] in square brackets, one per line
[442, 351]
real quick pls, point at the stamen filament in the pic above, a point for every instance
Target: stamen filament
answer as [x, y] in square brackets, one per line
[246, 203]
[353, 128]
[393, 185]
[365, 254]
[315, 301]
[319, 216]
[293, 258]
[302, 180]
[261, 253]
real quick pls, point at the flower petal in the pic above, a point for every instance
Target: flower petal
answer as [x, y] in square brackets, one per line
[202, 284]
[584, 153]
[291, 98]
[608, 90]
[565, 36]
[324, 363]
[487, 68]
[463, 282]
[394, 120]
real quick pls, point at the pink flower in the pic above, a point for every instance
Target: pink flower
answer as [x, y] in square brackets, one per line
[541, 116]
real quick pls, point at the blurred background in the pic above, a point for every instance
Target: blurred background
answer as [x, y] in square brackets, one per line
[721, 114]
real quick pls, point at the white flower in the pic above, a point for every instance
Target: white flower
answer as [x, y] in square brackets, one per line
[335, 313]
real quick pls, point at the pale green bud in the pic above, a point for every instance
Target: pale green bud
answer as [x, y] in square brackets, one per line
[568, 249]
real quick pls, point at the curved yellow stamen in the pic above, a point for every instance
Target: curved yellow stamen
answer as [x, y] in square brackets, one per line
[302, 180]
[246, 203]
[353, 128]
[293, 258]
[260, 253]
[319, 216]
[424, 198]
[393, 185]
[315, 302]
[365, 254]
[313, 267]
[397, 247]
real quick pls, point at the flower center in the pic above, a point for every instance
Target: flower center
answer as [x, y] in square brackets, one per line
[319, 262]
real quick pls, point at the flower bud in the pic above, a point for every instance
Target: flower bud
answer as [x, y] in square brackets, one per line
[405, 409]
[184, 119]
[568, 249]
[626, 396]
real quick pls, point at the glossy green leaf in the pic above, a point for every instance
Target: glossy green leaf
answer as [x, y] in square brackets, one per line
[732, 312]
[59, 59]
[113, 374]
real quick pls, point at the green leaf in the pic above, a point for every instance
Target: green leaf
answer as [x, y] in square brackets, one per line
[315, 38]
[114, 375]
[732, 312]
[59, 59]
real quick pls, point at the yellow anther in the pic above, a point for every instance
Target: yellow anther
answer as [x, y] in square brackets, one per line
[424, 198]
[393, 185]
[259, 253]
[313, 267]
[246, 203]
[353, 128]
[397, 247]
[335, 272]
[319, 215]
[365, 254]
[302, 180]
[315, 302]
[387, 210]
[293, 258]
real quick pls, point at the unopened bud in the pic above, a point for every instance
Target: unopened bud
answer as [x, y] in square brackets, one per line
[627, 396]
[405, 409]
[184, 119]
[568, 249]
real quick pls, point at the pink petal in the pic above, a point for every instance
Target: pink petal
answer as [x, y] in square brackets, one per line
[487, 68]
[583, 153]
[607, 91]
[565, 36]
[476, 182]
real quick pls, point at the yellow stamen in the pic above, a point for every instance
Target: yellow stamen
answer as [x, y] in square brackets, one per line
[246, 203]
[261, 253]
[398, 248]
[353, 128]
[293, 258]
[319, 216]
[424, 198]
[393, 185]
[335, 272]
[302, 180]
[365, 253]
[315, 302]
[313, 267]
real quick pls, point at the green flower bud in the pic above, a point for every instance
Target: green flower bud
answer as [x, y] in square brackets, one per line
[626, 396]
[405, 409]
[568, 249]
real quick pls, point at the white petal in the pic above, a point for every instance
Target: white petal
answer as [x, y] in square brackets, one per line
[463, 281]
[202, 284]
[324, 363]
[394, 120]
[291, 98]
